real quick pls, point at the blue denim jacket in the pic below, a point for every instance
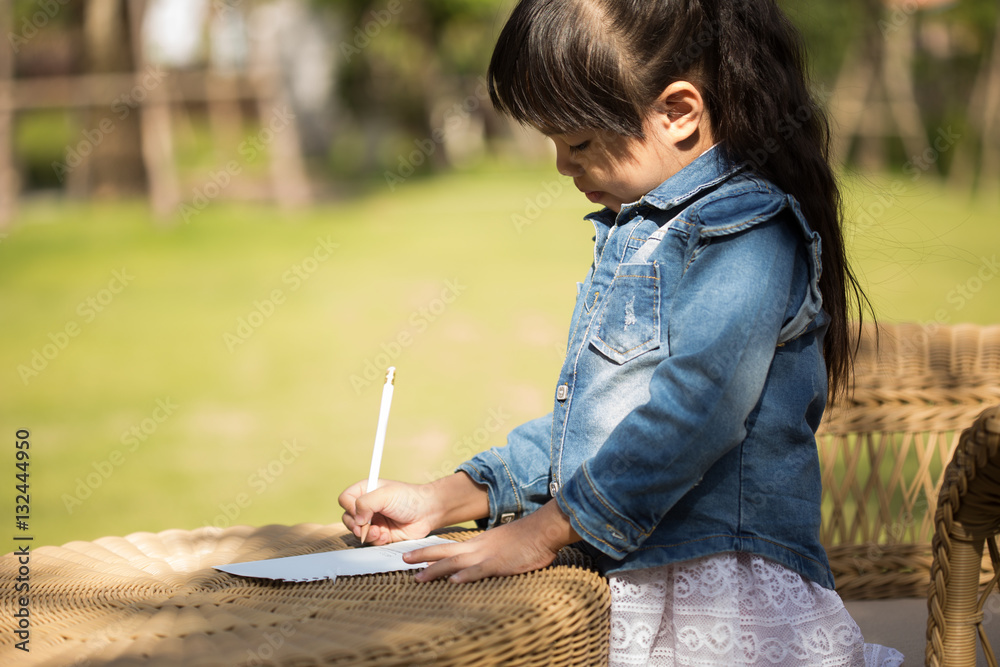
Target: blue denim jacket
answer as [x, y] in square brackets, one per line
[684, 415]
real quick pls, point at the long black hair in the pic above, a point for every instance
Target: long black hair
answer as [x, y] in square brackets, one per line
[569, 65]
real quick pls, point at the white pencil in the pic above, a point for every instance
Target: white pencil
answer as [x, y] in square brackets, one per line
[383, 419]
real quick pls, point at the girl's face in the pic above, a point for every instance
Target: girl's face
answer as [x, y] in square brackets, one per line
[614, 170]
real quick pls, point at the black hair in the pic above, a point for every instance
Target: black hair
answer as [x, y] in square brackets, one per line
[569, 65]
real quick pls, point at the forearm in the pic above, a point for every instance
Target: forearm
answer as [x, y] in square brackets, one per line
[519, 546]
[458, 499]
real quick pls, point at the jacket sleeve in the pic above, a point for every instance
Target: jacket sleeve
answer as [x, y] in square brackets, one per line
[516, 476]
[724, 320]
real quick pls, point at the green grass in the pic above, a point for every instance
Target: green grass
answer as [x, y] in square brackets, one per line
[436, 278]
[924, 253]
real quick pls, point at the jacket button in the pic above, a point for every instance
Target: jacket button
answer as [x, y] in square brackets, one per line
[563, 392]
[553, 488]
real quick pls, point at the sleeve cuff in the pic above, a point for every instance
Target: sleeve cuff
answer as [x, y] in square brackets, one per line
[595, 520]
[504, 501]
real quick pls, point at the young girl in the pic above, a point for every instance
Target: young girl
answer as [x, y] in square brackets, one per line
[680, 450]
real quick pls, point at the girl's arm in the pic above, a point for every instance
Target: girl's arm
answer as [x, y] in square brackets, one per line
[399, 511]
[520, 546]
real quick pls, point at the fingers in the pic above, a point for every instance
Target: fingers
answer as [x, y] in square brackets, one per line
[360, 513]
[350, 496]
[435, 553]
[378, 534]
[500, 551]
[460, 569]
[367, 506]
[348, 500]
[390, 513]
[443, 565]
[460, 562]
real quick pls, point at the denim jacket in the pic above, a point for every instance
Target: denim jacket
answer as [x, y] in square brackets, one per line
[684, 415]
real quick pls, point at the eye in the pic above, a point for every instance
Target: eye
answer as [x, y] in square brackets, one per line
[579, 147]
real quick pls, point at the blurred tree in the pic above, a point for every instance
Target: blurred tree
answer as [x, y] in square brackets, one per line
[117, 168]
[828, 30]
[401, 60]
[409, 77]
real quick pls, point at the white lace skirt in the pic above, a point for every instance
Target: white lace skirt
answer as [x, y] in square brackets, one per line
[733, 609]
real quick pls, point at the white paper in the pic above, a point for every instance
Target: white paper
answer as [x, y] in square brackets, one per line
[331, 564]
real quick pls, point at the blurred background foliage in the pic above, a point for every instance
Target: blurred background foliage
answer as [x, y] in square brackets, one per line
[457, 245]
[370, 77]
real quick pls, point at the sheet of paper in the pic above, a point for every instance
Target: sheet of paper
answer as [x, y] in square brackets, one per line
[331, 564]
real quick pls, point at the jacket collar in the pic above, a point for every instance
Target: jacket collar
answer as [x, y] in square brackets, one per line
[704, 172]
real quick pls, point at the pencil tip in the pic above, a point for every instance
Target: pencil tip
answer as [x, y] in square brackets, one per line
[364, 532]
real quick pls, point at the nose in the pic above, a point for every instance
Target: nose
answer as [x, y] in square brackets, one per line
[565, 164]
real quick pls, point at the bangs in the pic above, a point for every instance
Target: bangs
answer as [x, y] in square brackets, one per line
[558, 68]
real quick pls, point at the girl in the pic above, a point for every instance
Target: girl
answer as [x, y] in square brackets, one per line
[714, 319]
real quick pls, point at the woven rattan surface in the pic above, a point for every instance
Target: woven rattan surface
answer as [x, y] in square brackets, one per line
[968, 513]
[883, 452]
[154, 599]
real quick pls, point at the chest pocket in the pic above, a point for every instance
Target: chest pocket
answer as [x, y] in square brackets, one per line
[629, 322]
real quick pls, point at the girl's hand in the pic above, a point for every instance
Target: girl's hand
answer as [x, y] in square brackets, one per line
[395, 511]
[524, 545]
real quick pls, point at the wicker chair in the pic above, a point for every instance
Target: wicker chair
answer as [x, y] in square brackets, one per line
[884, 456]
[968, 515]
[884, 451]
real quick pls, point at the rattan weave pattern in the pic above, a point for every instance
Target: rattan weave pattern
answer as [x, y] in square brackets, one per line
[968, 515]
[154, 599]
[883, 452]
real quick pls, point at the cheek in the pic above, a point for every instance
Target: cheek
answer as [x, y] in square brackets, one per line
[633, 180]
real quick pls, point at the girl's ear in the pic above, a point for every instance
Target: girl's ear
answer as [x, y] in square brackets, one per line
[680, 109]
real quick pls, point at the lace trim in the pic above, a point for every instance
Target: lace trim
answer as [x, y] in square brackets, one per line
[733, 609]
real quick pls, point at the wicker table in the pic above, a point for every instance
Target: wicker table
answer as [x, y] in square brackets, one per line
[155, 599]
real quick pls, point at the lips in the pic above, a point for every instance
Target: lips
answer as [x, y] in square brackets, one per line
[592, 195]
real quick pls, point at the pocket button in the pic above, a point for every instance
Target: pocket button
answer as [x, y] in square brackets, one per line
[563, 392]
